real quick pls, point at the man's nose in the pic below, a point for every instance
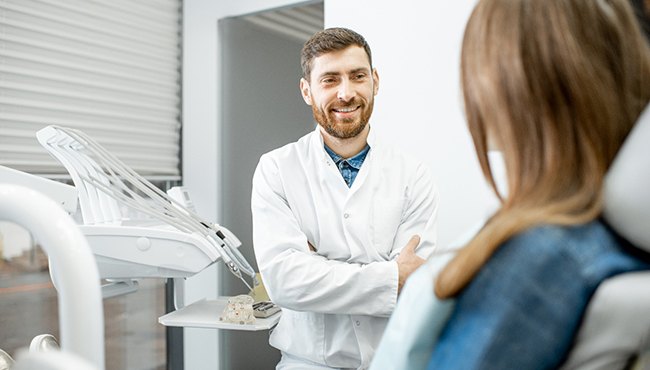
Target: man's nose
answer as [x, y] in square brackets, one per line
[346, 91]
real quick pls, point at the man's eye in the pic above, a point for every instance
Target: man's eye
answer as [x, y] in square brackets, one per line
[360, 76]
[329, 81]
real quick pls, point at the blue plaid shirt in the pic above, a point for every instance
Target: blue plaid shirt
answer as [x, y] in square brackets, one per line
[349, 168]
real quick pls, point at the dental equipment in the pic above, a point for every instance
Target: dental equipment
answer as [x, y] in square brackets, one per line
[6, 362]
[61, 193]
[74, 273]
[180, 244]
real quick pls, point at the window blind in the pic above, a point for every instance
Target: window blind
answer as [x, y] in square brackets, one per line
[110, 68]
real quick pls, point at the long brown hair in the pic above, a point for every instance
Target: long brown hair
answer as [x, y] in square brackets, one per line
[557, 85]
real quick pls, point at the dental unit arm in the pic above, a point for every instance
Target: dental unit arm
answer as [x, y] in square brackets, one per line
[178, 244]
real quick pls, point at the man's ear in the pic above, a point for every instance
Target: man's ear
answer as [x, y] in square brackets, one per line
[375, 79]
[305, 90]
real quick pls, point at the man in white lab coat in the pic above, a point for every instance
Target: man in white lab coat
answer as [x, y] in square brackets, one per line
[335, 215]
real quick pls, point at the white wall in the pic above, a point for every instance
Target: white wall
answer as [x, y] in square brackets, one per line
[201, 144]
[416, 50]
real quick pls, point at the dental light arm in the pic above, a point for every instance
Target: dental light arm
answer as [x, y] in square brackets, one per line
[105, 183]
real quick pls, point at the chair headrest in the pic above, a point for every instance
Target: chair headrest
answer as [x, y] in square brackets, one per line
[627, 186]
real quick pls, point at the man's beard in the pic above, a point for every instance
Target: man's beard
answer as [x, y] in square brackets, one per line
[345, 128]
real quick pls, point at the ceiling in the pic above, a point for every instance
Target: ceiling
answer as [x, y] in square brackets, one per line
[298, 22]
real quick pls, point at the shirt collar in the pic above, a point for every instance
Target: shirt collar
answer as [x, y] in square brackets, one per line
[371, 140]
[356, 161]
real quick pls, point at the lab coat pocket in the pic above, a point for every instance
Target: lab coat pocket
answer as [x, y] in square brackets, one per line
[301, 334]
[386, 218]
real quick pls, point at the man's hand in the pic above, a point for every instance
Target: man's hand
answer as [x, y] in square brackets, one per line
[408, 261]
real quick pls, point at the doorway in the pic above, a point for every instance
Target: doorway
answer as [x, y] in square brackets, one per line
[261, 109]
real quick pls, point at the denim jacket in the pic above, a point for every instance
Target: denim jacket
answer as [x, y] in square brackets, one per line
[525, 305]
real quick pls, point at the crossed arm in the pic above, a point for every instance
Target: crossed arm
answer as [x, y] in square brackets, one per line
[298, 278]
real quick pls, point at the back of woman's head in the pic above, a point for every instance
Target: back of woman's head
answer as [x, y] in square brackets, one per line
[556, 85]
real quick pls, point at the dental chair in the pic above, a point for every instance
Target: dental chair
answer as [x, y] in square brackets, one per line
[76, 279]
[615, 333]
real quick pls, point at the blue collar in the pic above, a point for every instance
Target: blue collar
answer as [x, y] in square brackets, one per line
[355, 161]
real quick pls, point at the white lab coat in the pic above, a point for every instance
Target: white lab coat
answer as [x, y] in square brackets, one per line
[336, 301]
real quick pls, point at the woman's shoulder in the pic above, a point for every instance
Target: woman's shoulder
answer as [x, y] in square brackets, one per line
[565, 239]
[542, 246]
[589, 249]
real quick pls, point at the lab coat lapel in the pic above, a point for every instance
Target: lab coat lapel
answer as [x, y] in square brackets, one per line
[365, 169]
[328, 172]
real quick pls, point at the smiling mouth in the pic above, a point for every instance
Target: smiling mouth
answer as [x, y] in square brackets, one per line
[346, 109]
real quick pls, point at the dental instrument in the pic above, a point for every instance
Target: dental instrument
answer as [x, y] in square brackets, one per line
[178, 244]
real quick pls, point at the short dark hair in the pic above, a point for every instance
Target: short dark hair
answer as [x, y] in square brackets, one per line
[328, 40]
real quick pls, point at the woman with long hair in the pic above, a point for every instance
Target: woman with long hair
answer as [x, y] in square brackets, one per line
[556, 86]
